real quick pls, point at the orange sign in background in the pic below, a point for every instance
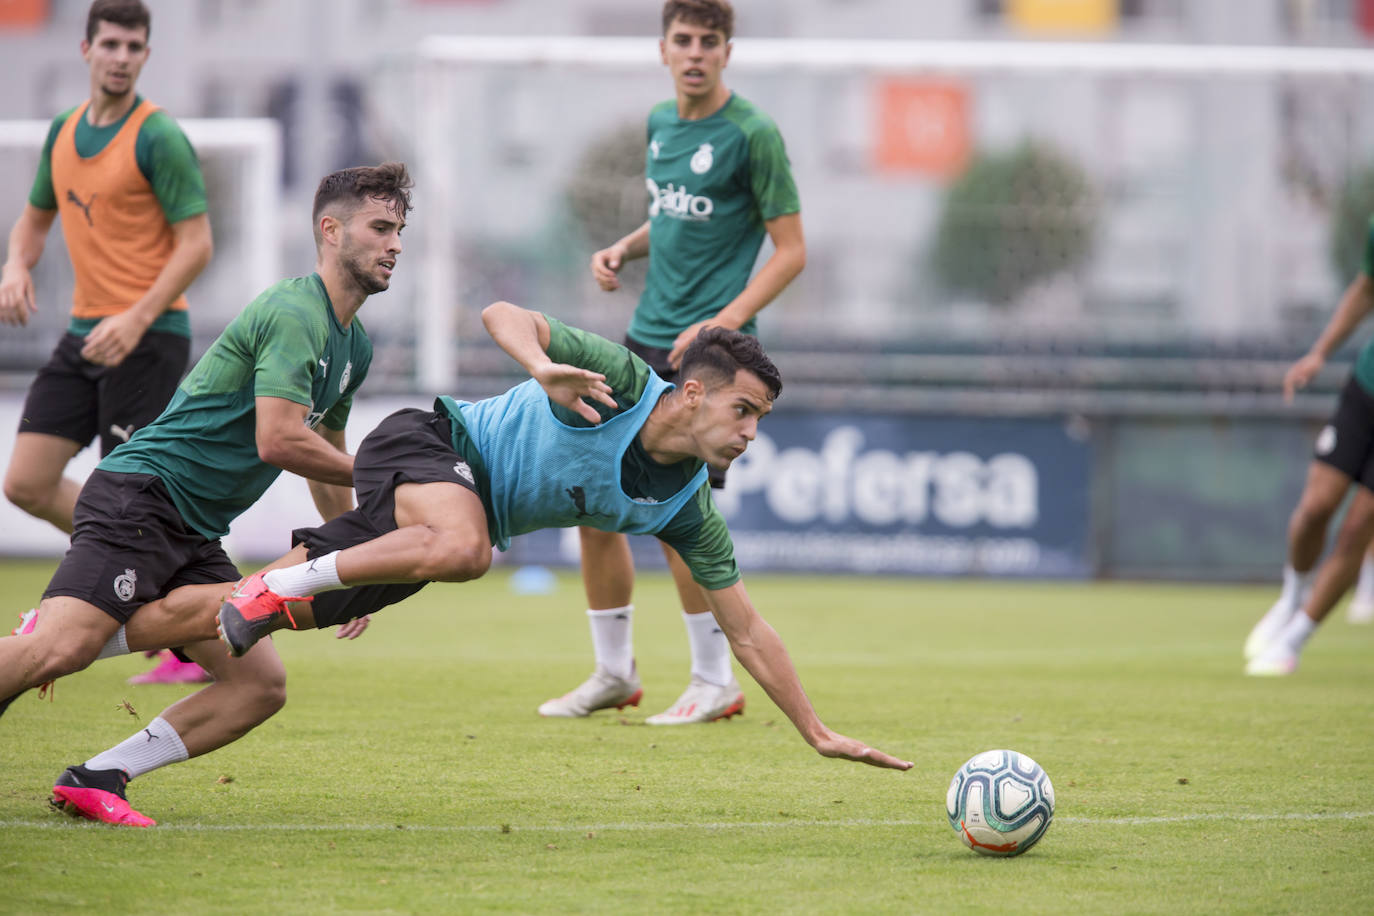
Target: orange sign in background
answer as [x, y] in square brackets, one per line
[922, 127]
[15, 14]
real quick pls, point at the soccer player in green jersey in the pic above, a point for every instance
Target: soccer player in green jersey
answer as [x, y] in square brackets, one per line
[1344, 456]
[272, 393]
[719, 181]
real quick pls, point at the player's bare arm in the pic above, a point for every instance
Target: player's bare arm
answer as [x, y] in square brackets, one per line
[285, 441]
[115, 337]
[1355, 305]
[27, 239]
[761, 651]
[607, 262]
[782, 267]
[330, 499]
[524, 334]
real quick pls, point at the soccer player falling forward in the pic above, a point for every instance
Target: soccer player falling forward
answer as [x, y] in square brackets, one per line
[719, 180]
[133, 204]
[273, 393]
[595, 437]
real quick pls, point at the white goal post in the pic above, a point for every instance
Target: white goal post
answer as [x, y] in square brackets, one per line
[1176, 239]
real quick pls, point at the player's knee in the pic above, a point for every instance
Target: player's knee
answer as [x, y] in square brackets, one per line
[25, 494]
[268, 698]
[459, 559]
[65, 655]
[1313, 513]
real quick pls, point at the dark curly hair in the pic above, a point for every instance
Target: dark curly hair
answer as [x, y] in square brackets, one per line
[718, 354]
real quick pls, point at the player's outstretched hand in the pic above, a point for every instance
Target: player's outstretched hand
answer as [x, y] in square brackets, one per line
[353, 628]
[570, 386]
[1300, 373]
[837, 745]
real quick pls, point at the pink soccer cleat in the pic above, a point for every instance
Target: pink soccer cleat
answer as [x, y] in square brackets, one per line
[97, 795]
[172, 670]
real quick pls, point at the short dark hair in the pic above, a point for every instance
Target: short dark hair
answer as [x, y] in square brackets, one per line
[718, 354]
[388, 181]
[130, 14]
[718, 15]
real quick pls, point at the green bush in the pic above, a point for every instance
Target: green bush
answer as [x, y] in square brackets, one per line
[606, 193]
[1014, 218]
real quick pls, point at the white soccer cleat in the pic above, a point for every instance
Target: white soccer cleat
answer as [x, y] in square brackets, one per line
[1361, 609]
[702, 702]
[1269, 627]
[1276, 661]
[602, 690]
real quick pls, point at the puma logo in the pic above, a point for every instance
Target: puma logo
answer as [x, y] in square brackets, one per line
[579, 498]
[85, 208]
[122, 432]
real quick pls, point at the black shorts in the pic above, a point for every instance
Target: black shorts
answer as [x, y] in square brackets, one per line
[131, 546]
[657, 358]
[410, 446]
[1346, 443]
[77, 399]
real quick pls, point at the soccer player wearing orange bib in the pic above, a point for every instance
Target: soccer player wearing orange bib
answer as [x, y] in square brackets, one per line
[132, 199]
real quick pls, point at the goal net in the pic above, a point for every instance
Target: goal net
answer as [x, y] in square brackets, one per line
[241, 161]
[1032, 195]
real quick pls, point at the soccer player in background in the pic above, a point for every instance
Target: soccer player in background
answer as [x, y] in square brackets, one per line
[720, 180]
[272, 393]
[132, 199]
[594, 437]
[1344, 455]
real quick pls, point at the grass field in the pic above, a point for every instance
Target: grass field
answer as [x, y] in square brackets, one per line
[409, 773]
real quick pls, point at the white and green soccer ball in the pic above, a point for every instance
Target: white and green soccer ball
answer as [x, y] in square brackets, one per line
[1000, 803]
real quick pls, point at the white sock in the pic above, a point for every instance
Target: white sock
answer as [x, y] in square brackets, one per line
[710, 648]
[1364, 588]
[118, 645]
[155, 746]
[613, 639]
[1296, 632]
[1296, 585]
[305, 579]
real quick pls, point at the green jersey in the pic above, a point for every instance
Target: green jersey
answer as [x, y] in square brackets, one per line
[287, 343]
[165, 158]
[697, 531]
[1364, 363]
[713, 183]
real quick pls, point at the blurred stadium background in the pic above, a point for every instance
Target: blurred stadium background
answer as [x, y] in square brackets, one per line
[1060, 251]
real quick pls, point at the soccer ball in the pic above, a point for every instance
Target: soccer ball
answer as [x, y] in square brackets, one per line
[1000, 803]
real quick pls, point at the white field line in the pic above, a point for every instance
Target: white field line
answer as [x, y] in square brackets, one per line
[54, 822]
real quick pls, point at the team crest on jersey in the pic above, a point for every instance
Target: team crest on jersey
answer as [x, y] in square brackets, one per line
[124, 585]
[1326, 440]
[701, 160]
[653, 148]
[463, 471]
[348, 371]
